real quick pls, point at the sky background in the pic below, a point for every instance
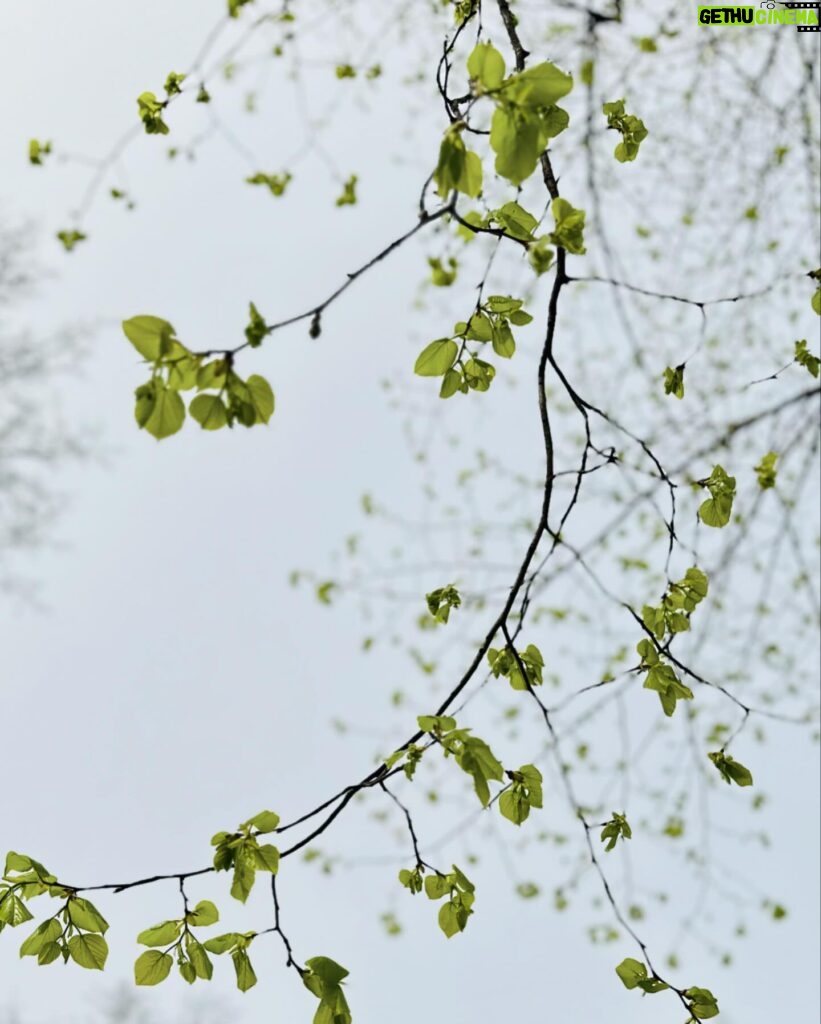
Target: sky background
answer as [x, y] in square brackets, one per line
[173, 683]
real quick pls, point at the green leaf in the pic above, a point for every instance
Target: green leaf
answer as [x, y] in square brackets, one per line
[514, 806]
[518, 138]
[540, 86]
[223, 943]
[766, 472]
[160, 934]
[458, 168]
[17, 862]
[89, 951]
[450, 920]
[244, 875]
[436, 723]
[504, 344]
[173, 82]
[13, 910]
[615, 829]
[632, 130]
[674, 381]
[631, 972]
[187, 970]
[805, 358]
[569, 231]
[327, 970]
[730, 769]
[436, 886]
[43, 934]
[275, 183]
[703, 1004]
[150, 336]
[212, 375]
[717, 509]
[540, 255]
[37, 150]
[436, 358]
[477, 759]
[441, 277]
[209, 411]
[200, 961]
[515, 220]
[265, 821]
[266, 858]
[261, 396]
[441, 601]
[85, 915]
[257, 328]
[348, 195]
[159, 409]
[245, 972]
[152, 967]
[150, 111]
[234, 7]
[70, 239]
[486, 66]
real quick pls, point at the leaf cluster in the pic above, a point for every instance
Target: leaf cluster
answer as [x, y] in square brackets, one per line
[223, 397]
[242, 852]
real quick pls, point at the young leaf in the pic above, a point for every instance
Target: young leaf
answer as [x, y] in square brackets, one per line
[160, 934]
[730, 769]
[437, 358]
[89, 951]
[152, 967]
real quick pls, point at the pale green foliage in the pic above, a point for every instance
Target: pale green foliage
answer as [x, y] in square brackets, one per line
[223, 398]
[441, 276]
[242, 851]
[805, 358]
[615, 829]
[459, 894]
[173, 83]
[766, 472]
[718, 508]
[662, 678]
[459, 364]
[702, 1003]
[38, 150]
[731, 770]
[631, 128]
[234, 7]
[522, 669]
[69, 239]
[472, 754]
[458, 168]
[275, 183]
[524, 792]
[634, 974]
[324, 978]
[150, 111]
[441, 601]
[348, 195]
[153, 967]
[569, 230]
[75, 932]
[486, 67]
[237, 944]
[674, 381]
[681, 599]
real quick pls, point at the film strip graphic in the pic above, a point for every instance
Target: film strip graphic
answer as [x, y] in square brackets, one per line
[807, 7]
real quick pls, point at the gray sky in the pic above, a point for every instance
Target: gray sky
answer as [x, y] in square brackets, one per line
[176, 684]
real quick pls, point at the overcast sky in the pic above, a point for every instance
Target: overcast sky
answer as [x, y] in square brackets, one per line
[175, 683]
